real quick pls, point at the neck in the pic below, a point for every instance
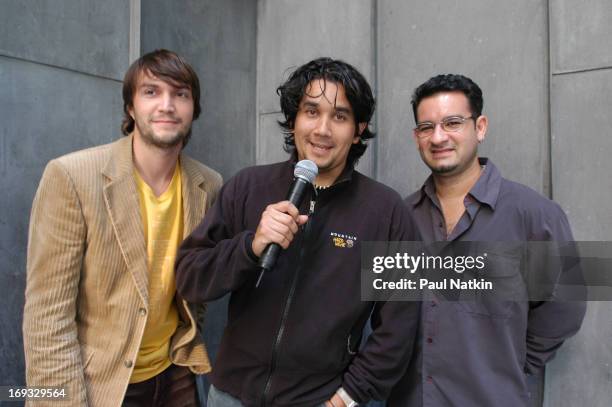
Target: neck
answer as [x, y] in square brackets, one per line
[457, 185]
[327, 179]
[155, 165]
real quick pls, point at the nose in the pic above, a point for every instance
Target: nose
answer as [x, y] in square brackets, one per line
[167, 103]
[439, 135]
[323, 126]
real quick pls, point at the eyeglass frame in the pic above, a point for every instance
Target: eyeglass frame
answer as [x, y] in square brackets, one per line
[441, 123]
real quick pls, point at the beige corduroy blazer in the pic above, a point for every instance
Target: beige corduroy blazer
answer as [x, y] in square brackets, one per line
[87, 283]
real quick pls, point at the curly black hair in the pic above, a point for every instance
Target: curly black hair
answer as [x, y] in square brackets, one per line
[356, 87]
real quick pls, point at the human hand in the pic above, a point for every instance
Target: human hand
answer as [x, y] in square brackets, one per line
[279, 223]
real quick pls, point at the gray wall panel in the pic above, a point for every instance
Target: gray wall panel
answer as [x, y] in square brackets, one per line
[270, 146]
[580, 34]
[581, 144]
[88, 36]
[581, 105]
[218, 38]
[46, 112]
[501, 45]
[291, 33]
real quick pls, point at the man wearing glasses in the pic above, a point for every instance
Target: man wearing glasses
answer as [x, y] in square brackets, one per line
[472, 353]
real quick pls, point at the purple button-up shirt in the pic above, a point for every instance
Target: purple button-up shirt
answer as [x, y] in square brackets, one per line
[473, 354]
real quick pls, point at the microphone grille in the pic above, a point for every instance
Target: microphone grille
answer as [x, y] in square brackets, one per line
[307, 170]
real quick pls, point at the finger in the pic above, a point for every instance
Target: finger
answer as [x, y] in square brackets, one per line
[286, 207]
[302, 219]
[279, 218]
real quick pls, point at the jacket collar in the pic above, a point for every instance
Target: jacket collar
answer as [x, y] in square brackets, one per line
[123, 207]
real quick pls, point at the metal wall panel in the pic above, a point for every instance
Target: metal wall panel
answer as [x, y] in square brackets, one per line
[580, 105]
[45, 112]
[218, 38]
[502, 46]
[580, 34]
[87, 36]
[291, 33]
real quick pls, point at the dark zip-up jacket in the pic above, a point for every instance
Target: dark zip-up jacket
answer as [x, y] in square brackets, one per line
[295, 339]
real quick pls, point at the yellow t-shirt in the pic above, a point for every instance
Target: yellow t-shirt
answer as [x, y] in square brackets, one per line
[162, 218]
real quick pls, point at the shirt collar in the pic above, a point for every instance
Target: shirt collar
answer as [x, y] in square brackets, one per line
[486, 189]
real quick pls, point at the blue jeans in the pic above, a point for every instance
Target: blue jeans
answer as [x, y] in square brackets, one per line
[217, 398]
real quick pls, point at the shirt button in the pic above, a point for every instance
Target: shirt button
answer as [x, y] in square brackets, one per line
[128, 363]
[142, 311]
[429, 340]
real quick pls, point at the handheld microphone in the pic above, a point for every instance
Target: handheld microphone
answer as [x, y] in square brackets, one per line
[305, 173]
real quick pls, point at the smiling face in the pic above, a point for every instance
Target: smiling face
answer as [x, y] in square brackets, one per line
[162, 112]
[325, 129]
[444, 152]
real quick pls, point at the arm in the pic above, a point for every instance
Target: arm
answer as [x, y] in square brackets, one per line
[384, 358]
[551, 322]
[55, 252]
[222, 253]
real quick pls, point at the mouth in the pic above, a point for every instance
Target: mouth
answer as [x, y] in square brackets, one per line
[165, 121]
[320, 148]
[442, 152]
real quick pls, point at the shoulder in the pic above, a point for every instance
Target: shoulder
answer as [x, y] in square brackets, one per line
[527, 200]
[375, 191]
[93, 157]
[211, 177]
[543, 217]
[82, 165]
[261, 176]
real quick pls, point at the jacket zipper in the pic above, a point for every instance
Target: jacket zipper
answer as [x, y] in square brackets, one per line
[281, 329]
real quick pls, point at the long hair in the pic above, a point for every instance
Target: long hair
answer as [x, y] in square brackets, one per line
[358, 93]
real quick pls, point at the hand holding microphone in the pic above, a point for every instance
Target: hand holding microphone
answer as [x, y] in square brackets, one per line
[281, 221]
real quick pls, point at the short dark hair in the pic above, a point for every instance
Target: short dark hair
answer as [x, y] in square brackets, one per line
[167, 66]
[356, 87]
[449, 83]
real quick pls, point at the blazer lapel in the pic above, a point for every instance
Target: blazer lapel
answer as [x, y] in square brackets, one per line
[123, 206]
[194, 195]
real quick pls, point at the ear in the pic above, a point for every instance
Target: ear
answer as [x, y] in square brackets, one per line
[360, 129]
[130, 110]
[482, 123]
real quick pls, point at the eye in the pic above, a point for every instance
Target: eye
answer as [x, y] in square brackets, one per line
[425, 128]
[453, 123]
[310, 111]
[149, 91]
[340, 116]
[183, 94]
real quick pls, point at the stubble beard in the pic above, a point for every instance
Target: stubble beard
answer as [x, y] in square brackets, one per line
[450, 168]
[149, 137]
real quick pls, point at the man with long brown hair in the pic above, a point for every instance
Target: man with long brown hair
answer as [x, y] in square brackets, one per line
[102, 320]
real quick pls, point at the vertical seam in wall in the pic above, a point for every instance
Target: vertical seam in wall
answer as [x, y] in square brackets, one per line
[549, 148]
[255, 151]
[374, 47]
[549, 102]
[134, 41]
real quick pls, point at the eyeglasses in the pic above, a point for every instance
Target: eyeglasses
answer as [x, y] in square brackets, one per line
[451, 124]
